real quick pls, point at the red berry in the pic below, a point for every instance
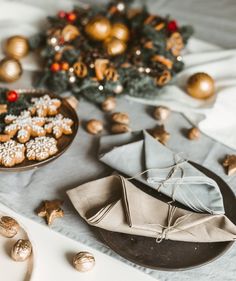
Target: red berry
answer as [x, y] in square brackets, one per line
[172, 26]
[12, 96]
[61, 14]
[65, 66]
[55, 67]
[71, 16]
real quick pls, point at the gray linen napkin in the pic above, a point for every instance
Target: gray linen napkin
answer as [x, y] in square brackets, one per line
[114, 203]
[140, 156]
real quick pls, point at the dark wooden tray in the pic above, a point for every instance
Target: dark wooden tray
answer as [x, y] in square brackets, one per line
[63, 143]
[172, 255]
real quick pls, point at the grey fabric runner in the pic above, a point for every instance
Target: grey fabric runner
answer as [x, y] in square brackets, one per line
[215, 22]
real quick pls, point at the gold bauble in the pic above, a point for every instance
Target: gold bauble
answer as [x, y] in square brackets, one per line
[70, 32]
[10, 70]
[200, 86]
[120, 31]
[17, 47]
[115, 46]
[98, 28]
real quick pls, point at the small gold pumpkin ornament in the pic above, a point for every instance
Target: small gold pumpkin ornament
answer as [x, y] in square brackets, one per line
[84, 261]
[98, 28]
[10, 70]
[114, 46]
[111, 74]
[200, 85]
[80, 69]
[17, 47]
[70, 32]
[120, 31]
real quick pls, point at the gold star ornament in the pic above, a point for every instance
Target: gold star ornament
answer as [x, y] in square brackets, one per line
[50, 210]
[230, 164]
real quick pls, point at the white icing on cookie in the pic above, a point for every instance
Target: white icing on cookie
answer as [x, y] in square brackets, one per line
[58, 126]
[11, 153]
[44, 106]
[41, 148]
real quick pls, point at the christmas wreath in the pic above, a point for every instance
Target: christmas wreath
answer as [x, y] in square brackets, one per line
[112, 49]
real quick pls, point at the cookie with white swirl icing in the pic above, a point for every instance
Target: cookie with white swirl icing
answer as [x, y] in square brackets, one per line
[44, 106]
[41, 148]
[58, 126]
[11, 153]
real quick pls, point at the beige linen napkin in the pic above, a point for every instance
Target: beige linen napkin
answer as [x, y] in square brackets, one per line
[114, 203]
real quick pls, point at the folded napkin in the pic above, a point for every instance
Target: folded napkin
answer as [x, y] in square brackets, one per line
[140, 156]
[114, 203]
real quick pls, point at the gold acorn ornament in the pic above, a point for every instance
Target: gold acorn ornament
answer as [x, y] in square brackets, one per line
[80, 69]
[200, 85]
[120, 31]
[98, 28]
[10, 70]
[17, 47]
[114, 46]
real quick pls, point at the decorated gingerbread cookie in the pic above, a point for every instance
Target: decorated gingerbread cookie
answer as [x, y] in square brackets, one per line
[24, 126]
[41, 148]
[58, 126]
[11, 153]
[44, 106]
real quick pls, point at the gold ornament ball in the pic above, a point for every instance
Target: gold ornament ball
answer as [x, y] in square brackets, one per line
[120, 31]
[200, 86]
[98, 28]
[17, 47]
[10, 70]
[84, 261]
[115, 46]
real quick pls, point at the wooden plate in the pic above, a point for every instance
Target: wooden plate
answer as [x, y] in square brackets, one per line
[63, 143]
[172, 255]
[11, 270]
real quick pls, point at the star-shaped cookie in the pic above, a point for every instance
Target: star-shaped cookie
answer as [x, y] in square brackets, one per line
[230, 164]
[160, 134]
[50, 210]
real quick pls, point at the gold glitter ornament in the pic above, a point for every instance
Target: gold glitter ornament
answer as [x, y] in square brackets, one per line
[98, 28]
[17, 47]
[10, 70]
[70, 32]
[114, 46]
[120, 31]
[21, 250]
[84, 261]
[200, 85]
[8, 227]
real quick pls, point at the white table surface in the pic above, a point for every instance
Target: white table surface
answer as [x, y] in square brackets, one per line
[53, 254]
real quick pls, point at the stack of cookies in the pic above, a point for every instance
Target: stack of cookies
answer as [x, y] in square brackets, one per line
[33, 134]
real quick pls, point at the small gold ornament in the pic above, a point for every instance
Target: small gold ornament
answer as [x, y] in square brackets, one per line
[161, 113]
[175, 43]
[80, 69]
[84, 261]
[109, 104]
[98, 28]
[111, 74]
[17, 47]
[21, 250]
[70, 32]
[120, 128]
[168, 63]
[163, 78]
[100, 67]
[230, 164]
[120, 31]
[160, 134]
[50, 210]
[8, 227]
[114, 46]
[120, 117]
[194, 134]
[94, 126]
[200, 86]
[10, 70]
